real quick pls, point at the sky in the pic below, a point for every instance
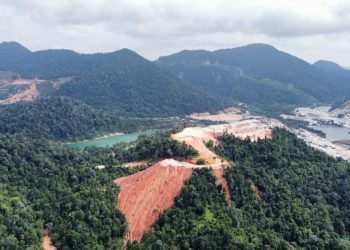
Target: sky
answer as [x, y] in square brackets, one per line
[309, 29]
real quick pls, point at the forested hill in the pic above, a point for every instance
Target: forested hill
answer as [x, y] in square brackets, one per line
[10, 51]
[259, 75]
[264, 78]
[285, 195]
[330, 67]
[61, 118]
[128, 83]
[121, 81]
[47, 186]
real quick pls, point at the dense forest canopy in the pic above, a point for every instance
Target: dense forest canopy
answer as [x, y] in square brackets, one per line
[285, 195]
[66, 119]
[58, 118]
[45, 185]
[266, 79]
[120, 81]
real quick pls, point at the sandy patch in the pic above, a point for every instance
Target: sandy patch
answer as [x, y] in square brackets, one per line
[231, 114]
[47, 244]
[135, 164]
[217, 117]
[26, 81]
[100, 167]
[197, 137]
[253, 129]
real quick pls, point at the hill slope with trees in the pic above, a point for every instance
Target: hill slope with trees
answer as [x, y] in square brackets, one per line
[45, 185]
[258, 75]
[285, 195]
[264, 78]
[121, 81]
[61, 118]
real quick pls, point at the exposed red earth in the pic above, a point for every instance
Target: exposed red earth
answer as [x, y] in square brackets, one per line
[146, 194]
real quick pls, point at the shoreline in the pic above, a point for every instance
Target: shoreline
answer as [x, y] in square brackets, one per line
[98, 138]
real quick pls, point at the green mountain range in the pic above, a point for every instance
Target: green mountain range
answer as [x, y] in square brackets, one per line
[121, 81]
[260, 76]
[265, 79]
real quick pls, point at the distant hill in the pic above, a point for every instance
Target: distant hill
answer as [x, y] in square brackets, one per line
[328, 66]
[62, 118]
[121, 81]
[55, 118]
[10, 51]
[126, 82]
[258, 75]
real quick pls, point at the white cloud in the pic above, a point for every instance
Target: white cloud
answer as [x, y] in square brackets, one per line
[311, 29]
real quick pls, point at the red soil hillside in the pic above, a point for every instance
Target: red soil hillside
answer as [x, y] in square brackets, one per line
[146, 194]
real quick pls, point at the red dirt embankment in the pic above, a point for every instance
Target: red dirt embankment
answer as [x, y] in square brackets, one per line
[145, 195]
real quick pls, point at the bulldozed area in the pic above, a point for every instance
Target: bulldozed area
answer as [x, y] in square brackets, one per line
[146, 194]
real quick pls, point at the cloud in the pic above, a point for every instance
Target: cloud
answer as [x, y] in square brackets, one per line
[156, 27]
